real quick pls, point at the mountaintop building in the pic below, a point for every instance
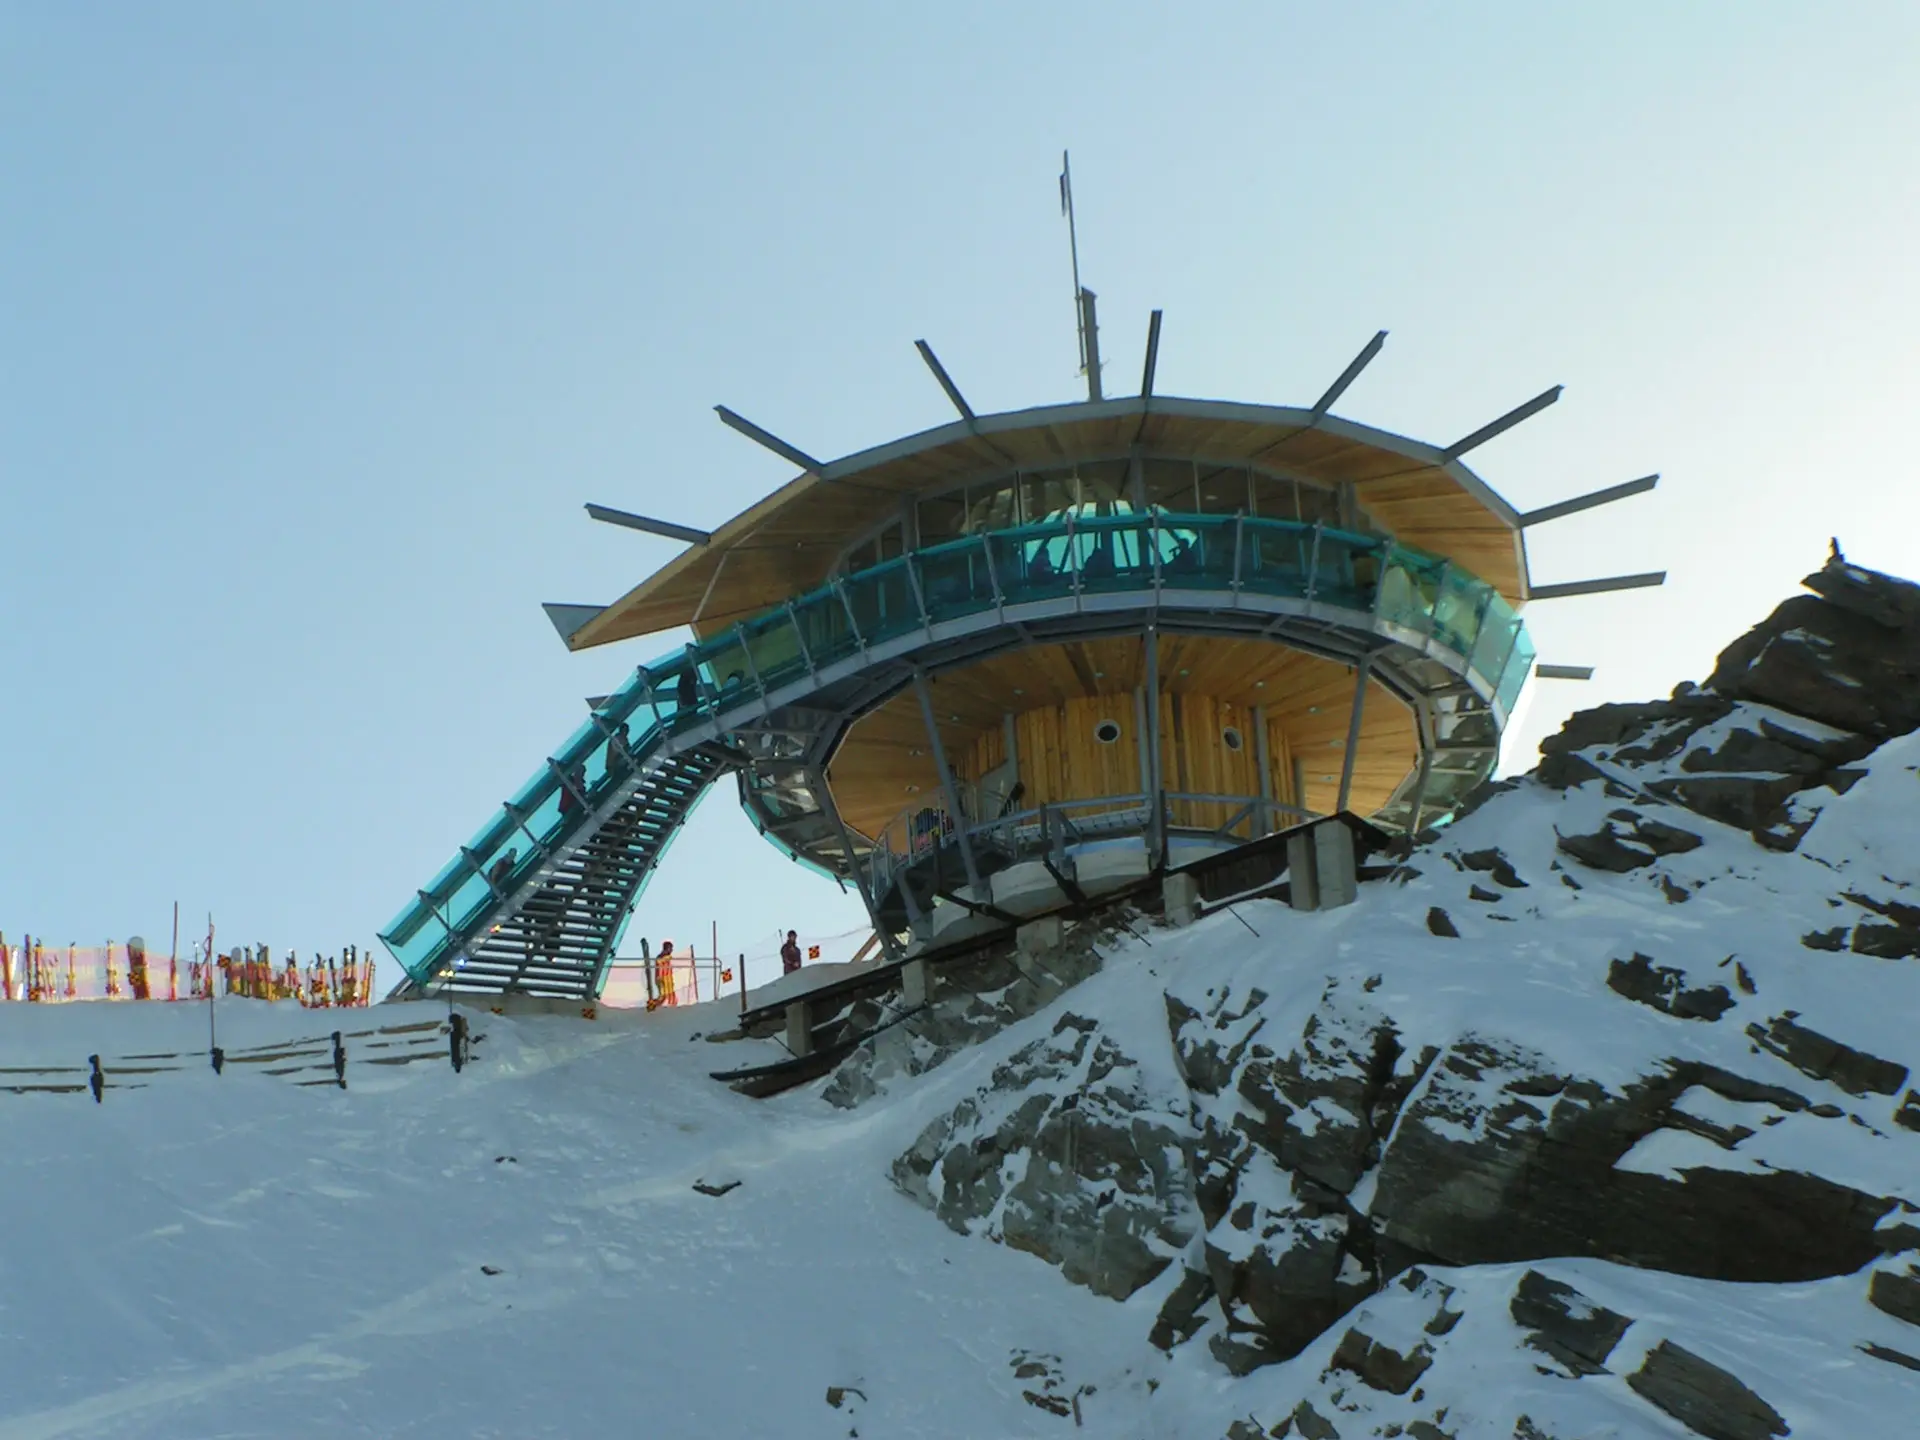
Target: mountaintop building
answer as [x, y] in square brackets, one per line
[1009, 665]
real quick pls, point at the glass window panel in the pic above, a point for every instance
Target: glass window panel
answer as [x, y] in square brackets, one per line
[1519, 666]
[1318, 504]
[942, 518]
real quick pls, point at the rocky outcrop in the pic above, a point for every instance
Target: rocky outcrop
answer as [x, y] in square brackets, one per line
[1286, 1126]
[1500, 1158]
[1410, 1085]
[1847, 656]
[974, 999]
[1068, 1155]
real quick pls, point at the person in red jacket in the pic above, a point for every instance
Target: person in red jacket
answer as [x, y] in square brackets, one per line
[790, 953]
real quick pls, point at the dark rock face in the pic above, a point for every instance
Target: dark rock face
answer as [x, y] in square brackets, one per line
[1664, 988]
[1847, 655]
[1283, 1137]
[1500, 1159]
[1565, 1324]
[1703, 1397]
[1628, 841]
[1812, 1053]
[1104, 1193]
[1896, 1294]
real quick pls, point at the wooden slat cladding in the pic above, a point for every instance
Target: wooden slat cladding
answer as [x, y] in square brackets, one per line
[786, 544]
[1060, 694]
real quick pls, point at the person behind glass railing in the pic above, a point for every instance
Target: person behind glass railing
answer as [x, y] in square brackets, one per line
[497, 872]
[570, 785]
[1185, 559]
[1040, 565]
[686, 691]
[619, 750]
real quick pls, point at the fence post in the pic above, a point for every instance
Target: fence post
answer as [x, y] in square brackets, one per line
[339, 1060]
[743, 982]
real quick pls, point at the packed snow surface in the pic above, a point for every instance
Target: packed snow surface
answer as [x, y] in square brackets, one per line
[520, 1249]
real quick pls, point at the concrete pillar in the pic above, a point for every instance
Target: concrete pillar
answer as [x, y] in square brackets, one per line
[1303, 881]
[1181, 894]
[1038, 936]
[800, 1028]
[916, 983]
[1334, 865]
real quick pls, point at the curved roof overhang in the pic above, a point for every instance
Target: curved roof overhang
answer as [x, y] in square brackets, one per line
[786, 544]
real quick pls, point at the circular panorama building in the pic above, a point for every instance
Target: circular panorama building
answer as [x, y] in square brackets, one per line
[1012, 663]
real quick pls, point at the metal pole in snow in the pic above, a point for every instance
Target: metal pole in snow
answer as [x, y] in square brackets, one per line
[743, 982]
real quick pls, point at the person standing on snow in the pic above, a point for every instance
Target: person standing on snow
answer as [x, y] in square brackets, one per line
[790, 953]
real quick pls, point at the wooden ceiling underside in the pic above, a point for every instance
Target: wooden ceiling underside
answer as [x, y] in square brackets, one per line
[786, 544]
[887, 751]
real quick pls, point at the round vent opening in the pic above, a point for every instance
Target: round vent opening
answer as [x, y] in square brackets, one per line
[1231, 738]
[1107, 731]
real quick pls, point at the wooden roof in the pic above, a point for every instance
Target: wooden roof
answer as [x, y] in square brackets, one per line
[786, 544]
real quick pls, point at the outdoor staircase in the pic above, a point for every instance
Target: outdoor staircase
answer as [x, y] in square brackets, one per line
[558, 939]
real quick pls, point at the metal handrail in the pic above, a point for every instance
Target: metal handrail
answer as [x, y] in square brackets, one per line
[814, 626]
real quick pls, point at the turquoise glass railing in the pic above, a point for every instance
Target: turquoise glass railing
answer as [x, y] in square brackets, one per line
[1422, 593]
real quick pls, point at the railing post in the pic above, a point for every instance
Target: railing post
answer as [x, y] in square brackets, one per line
[853, 623]
[1239, 530]
[1073, 557]
[1313, 561]
[993, 578]
[800, 639]
[911, 565]
[753, 670]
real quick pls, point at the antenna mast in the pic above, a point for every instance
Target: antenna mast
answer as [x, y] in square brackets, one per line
[1083, 298]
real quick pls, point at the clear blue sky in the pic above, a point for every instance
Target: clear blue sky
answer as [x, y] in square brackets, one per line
[318, 323]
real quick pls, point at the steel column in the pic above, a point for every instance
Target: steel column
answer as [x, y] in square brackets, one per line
[1156, 814]
[1362, 673]
[946, 780]
[823, 797]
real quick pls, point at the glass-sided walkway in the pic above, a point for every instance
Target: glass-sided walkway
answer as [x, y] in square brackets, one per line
[1409, 596]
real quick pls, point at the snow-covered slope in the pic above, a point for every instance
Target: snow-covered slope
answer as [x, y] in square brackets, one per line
[1597, 1119]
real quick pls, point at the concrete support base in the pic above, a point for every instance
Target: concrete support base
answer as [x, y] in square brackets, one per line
[1039, 936]
[1334, 865]
[916, 983]
[1321, 868]
[512, 1003]
[800, 1028]
[1181, 896]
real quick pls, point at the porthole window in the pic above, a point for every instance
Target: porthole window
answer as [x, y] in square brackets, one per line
[1107, 731]
[1231, 738]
